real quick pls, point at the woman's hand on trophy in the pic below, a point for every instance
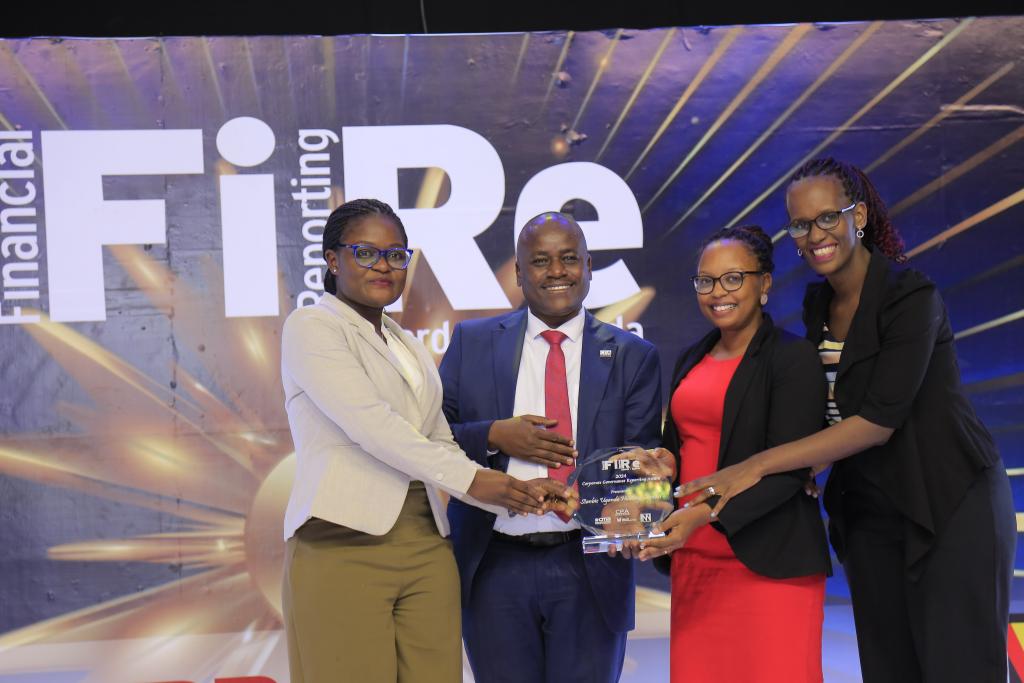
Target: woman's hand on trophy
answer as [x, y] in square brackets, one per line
[630, 549]
[677, 527]
[625, 523]
[723, 484]
[558, 497]
[518, 497]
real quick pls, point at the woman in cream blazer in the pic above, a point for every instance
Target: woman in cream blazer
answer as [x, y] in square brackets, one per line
[371, 589]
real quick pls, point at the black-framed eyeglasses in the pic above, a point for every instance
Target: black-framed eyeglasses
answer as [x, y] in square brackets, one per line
[367, 255]
[826, 221]
[731, 281]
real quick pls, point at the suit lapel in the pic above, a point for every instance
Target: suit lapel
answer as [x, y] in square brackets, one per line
[862, 339]
[740, 383]
[598, 357]
[381, 347]
[364, 329]
[426, 395]
[816, 303]
[689, 358]
[507, 346]
[692, 356]
[507, 349]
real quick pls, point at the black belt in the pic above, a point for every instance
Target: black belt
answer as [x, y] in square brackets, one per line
[547, 539]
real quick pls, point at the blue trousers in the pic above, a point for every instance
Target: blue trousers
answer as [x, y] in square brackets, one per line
[533, 618]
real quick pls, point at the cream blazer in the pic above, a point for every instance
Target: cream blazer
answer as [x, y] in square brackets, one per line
[361, 433]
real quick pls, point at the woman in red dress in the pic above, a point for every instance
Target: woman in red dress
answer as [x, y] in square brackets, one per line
[748, 587]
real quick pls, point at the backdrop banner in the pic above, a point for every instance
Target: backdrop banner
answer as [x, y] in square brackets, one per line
[162, 203]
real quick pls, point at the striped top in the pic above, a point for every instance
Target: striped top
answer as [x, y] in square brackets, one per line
[829, 350]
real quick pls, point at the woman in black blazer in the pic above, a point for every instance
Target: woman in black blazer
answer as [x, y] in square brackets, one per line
[920, 507]
[761, 565]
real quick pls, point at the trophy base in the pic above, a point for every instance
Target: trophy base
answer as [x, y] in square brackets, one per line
[601, 544]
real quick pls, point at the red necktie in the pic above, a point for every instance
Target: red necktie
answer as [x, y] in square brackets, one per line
[556, 398]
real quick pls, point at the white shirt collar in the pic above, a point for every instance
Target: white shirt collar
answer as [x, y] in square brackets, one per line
[572, 328]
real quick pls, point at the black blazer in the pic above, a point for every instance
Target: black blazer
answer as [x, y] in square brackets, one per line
[777, 395]
[899, 370]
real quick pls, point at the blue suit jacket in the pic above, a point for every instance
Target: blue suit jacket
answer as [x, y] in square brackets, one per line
[619, 403]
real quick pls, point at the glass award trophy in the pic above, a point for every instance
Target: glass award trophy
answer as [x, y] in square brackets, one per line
[624, 494]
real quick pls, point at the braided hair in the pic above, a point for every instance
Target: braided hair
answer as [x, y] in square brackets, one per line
[344, 217]
[879, 233]
[755, 239]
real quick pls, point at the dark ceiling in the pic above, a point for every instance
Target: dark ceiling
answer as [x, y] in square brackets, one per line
[220, 17]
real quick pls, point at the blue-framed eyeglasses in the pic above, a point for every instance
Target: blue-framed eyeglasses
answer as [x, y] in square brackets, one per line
[367, 255]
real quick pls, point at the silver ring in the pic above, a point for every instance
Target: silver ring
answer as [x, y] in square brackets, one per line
[710, 490]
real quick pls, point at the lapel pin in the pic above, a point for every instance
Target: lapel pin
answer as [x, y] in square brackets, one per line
[606, 353]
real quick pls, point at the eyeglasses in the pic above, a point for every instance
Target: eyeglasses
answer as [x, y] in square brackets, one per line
[731, 281]
[367, 256]
[826, 221]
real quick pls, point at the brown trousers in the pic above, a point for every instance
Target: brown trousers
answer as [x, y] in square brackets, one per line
[371, 609]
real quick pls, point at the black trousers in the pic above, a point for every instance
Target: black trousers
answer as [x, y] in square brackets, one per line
[949, 625]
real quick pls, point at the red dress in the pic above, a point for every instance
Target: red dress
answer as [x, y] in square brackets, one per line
[728, 623]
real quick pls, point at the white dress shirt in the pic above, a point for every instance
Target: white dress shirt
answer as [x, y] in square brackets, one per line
[530, 401]
[410, 366]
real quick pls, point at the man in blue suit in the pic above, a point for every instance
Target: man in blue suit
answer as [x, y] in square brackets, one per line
[525, 393]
